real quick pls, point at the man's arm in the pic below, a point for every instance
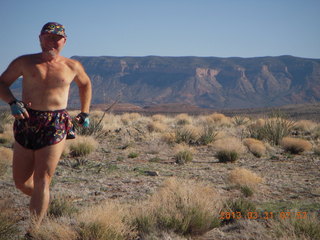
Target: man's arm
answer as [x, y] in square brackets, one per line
[85, 90]
[10, 75]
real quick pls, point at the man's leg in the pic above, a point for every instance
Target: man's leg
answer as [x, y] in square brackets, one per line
[22, 168]
[46, 161]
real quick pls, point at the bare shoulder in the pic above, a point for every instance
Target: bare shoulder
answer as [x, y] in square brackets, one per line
[75, 65]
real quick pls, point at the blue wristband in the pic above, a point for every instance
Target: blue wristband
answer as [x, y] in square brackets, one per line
[17, 107]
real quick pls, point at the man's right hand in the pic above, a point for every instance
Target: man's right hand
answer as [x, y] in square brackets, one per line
[18, 109]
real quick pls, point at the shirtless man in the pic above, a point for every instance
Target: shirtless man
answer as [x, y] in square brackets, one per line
[42, 124]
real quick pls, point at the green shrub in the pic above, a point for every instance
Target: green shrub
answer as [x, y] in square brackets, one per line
[60, 206]
[225, 156]
[133, 155]
[273, 130]
[183, 157]
[207, 135]
[246, 191]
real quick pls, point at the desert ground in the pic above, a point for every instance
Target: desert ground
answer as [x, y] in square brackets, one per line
[177, 176]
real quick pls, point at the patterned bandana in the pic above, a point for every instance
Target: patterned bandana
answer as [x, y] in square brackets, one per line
[54, 28]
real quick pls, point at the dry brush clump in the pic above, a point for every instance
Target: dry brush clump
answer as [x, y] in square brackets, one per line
[107, 221]
[305, 126]
[255, 146]
[156, 126]
[272, 129]
[183, 119]
[244, 177]
[81, 146]
[182, 206]
[5, 159]
[295, 145]
[183, 153]
[228, 149]
[8, 220]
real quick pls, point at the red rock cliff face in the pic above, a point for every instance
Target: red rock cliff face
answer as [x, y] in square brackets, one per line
[206, 82]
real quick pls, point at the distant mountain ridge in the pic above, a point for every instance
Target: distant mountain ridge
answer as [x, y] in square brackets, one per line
[209, 82]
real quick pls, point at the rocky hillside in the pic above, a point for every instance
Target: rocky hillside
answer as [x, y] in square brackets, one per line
[204, 81]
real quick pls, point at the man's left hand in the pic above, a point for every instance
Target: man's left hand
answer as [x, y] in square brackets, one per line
[83, 119]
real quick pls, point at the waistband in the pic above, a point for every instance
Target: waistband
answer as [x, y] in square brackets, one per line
[49, 111]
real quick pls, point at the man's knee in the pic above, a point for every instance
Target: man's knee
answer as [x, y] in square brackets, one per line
[42, 180]
[25, 187]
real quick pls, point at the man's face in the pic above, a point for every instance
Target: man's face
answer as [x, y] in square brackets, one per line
[52, 43]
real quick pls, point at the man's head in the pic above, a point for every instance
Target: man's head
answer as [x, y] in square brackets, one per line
[54, 28]
[52, 38]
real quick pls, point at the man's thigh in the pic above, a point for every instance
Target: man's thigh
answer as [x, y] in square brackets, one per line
[47, 158]
[23, 163]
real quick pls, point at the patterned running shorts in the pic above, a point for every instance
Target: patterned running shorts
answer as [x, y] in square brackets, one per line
[43, 128]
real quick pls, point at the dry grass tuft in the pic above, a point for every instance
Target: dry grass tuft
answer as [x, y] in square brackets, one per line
[55, 229]
[159, 118]
[244, 177]
[8, 220]
[82, 146]
[188, 134]
[127, 118]
[5, 159]
[256, 147]
[228, 149]
[183, 119]
[169, 137]
[156, 126]
[306, 126]
[106, 221]
[295, 145]
[183, 153]
[181, 206]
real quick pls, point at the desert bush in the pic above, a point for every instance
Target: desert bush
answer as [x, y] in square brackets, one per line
[228, 149]
[294, 228]
[244, 177]
[183, 119]
[256, 147]
[306, 126]
[8, 220]
[317, 150]
[95, 128]
[273, 130]
[183, 154]
[295, 145]
[61, 206]
[55, 229]
[106, 221]
[169, 137]
[133, 155]
[159, 118]
[246, 191]
[128, 118]
[240, 120]
[182, 206]
[5, 117]
[82, 146]
[239, 205]
[188, 134]
[155, 126]
[225, 156]
[208, 134]
[5, 159]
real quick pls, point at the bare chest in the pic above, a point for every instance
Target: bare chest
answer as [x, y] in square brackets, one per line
[47, 76]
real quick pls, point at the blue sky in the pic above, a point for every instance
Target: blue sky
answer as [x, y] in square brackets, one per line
[220, 28]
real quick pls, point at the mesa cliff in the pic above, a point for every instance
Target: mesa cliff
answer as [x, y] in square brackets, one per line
[208, 82]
